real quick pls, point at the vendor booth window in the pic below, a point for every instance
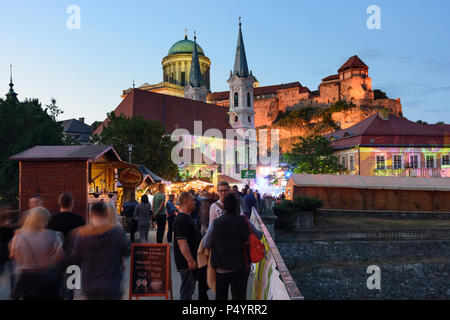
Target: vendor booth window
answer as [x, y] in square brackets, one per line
[381, 161]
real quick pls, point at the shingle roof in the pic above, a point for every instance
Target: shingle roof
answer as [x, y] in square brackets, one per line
[332, 77]
[75, 126]
[55, 153]
[396, 131]
[354, 61]
[173, 112]
[225, 95]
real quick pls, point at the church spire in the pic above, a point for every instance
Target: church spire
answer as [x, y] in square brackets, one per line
[240, 61]
[11, 95]
[195, 76]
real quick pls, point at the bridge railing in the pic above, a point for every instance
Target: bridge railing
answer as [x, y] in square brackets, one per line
[272, 280]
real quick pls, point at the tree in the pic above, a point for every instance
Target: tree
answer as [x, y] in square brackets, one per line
[151, 147]
[53, 109]
[23, 125]
[313, 155]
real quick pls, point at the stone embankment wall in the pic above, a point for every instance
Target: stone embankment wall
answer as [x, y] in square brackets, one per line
[411, 269]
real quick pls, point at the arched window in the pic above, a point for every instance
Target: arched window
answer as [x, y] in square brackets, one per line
[236, 119]
[236, 99]
[249, 119]
[248, 99]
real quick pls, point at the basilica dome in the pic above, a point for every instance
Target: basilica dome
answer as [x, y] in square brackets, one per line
[184, 46]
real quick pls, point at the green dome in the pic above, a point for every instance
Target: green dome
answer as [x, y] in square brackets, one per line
[185, 46]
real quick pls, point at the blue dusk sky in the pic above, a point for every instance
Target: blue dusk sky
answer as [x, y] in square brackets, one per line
[285, 41]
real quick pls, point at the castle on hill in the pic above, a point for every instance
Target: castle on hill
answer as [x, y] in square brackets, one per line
[351, 84]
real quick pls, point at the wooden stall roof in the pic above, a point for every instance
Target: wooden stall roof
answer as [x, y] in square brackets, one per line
[370, 182]
[64, 153]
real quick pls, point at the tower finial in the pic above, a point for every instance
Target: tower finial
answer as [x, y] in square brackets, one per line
[185, 33]
[133, 84]
[240, 21]
[11, 95]
[195, 36]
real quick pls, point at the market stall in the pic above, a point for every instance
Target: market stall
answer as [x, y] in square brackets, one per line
[89, 172]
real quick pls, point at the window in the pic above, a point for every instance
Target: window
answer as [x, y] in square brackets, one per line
[343, 161]
[183, 78]
[248, 100]
[238, 169]
[236, 119]
[381, 162]
[397, 161]
[236, 99]
[446, 160]
[430, 161]
[414, 161]
[351, 163]
[249, 119]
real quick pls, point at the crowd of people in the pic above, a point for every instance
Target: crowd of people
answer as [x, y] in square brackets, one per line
[209, 233]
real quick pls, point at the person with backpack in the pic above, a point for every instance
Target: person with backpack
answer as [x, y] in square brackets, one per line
[228, 238]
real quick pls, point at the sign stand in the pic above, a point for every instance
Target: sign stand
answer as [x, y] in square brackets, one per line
[150, 271]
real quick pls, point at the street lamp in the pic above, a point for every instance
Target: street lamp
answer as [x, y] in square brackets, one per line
[130, 149]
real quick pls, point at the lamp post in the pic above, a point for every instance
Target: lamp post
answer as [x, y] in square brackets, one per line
[130, 149]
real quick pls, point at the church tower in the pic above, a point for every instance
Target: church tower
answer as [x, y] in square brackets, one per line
[242, 113]
[11, 95]
[195, 89]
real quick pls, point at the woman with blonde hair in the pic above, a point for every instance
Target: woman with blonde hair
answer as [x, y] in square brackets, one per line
[36, 251]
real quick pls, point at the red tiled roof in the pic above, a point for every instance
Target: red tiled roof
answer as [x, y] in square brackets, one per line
[374, 131]
[332, 77]
[225, 95]
[173, 112]
[354, 61]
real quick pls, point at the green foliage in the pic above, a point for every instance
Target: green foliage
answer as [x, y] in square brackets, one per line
[151, 147]
[378, 94]
[421, 122]
[23, 126]
[292, 117]
[286, 210]
[313, 155]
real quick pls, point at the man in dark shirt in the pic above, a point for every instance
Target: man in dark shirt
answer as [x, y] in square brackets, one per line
[65, 221]
[187, 240]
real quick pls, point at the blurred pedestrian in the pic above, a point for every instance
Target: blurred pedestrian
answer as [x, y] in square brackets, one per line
[159, 207]
[99, 249]
[249, 203]
[8, 225]
[128, 211]
[37, 250]
[143, 215]
[171, 214]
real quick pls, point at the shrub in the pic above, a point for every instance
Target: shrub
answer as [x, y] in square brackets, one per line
[287, 209]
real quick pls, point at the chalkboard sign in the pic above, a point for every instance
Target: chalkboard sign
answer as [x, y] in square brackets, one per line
[150, 270]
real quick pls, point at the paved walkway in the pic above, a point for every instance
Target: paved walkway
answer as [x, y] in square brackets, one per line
[176, 280]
